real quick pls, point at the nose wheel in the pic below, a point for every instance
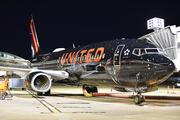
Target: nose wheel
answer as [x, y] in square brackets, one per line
[139, 99]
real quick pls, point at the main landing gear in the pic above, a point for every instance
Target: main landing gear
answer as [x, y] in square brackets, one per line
[88, 90]
[46, 93]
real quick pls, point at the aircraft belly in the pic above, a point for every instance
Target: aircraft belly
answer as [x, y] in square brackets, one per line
[91, 81]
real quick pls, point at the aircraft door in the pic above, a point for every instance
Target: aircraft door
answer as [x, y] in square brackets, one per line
[117, 55]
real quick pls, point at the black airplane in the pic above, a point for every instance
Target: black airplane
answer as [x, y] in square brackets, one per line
[127, 64]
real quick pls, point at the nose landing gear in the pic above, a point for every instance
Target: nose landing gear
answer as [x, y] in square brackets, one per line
[138, 98]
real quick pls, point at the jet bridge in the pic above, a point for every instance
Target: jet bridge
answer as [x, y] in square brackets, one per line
[166, 39]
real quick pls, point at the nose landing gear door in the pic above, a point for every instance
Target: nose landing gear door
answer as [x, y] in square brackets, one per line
[117, 55]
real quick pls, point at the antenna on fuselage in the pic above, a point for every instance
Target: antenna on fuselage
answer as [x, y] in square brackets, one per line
[74, 46]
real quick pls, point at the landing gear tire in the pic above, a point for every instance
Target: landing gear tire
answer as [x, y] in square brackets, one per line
[23, 88]
[94, 89]
[39, 93]
[88, 90]
[143, 99]
[137, 100]
[47, 93]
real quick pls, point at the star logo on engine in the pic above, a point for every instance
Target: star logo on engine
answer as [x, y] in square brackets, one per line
[126, 52]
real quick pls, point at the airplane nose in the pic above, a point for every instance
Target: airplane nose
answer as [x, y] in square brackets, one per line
[163, 64]
[167, 62]
[160, 68]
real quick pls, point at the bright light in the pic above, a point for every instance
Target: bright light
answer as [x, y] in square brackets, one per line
[155, 23]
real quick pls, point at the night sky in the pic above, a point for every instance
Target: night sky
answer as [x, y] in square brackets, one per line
[60, 23]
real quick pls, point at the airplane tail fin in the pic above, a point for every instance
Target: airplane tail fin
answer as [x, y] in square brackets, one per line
[34, 42]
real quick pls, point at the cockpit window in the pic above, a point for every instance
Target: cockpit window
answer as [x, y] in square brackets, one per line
[152, 51]
[136, 52]
[143, 51]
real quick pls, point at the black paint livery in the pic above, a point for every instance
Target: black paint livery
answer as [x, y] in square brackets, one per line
[127, 64]
[120, 63]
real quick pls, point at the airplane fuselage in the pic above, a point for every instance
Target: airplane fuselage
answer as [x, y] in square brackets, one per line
[122, 62]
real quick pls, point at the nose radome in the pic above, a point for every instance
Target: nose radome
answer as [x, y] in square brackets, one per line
[168, 63]
[162, 64]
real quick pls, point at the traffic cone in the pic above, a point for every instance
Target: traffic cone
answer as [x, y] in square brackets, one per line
[168, 89]
[112, 88]
[173, 90]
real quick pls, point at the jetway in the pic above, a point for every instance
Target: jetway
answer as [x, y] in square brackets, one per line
[166, 39]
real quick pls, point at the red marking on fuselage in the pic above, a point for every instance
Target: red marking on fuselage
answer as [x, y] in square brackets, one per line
[88, 56]
[88, 53]
[76, 57]
[34, 39]
[63, 61]
[70, 57]
[82, 52]
[101, 49]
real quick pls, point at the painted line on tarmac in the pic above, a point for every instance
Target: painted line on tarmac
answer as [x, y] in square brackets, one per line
[73, 107]
[72, 103]
[75, 112]
[68, 107]
[85, 112]
[54, 109]
[46, 104]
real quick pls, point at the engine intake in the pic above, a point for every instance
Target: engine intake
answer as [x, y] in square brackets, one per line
[40, 82]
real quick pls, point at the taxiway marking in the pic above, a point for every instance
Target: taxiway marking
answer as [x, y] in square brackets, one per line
[68, 107]
[54, 109]
[73, 103]
[45, 103]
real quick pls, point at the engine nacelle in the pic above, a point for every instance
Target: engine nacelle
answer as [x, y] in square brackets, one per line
[39, 81]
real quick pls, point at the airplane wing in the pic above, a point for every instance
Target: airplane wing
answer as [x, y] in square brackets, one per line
[11, 69]
[55, 74]
[17, 60]
[38, 80]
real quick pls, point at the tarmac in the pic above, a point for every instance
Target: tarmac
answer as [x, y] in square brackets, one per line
[68, 103]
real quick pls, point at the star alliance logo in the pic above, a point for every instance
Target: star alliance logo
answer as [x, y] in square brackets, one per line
[126, 52]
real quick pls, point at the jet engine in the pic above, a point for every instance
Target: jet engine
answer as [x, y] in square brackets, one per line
[39, 81]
